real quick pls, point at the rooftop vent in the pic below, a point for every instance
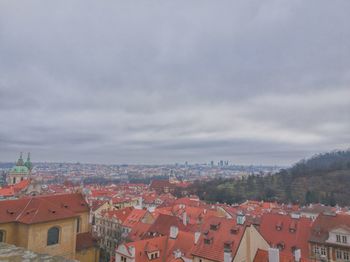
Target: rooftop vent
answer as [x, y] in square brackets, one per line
[9, 211]
[234, 230]
[279, 226]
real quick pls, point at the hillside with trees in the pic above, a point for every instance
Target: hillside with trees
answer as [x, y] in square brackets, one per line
[324, 178]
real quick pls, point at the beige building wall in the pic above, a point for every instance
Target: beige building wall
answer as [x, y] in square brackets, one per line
[84, 222]
[22, 235]
[250, 243]
[10, 232]
[37, 238]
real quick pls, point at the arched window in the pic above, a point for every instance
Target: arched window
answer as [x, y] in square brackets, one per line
[53, 236]
[2, 236]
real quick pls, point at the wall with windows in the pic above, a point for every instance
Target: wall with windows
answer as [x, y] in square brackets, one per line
[38, 237]
[8, 230]
[339, 237]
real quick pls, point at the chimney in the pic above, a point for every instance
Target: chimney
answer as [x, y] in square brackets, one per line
[227, 256]
[240, 218]
[196, 237]
[184, 218]
[297, 255]
[173, 232]
[274, 255]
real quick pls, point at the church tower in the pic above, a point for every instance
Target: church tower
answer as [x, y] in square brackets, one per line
[21, 171]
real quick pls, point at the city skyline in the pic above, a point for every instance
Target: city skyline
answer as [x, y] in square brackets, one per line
[252, 83]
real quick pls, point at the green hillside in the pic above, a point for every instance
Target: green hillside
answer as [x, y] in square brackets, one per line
[324, 178]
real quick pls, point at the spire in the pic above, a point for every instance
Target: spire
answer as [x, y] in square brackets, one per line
[28, 164]
[20, 160]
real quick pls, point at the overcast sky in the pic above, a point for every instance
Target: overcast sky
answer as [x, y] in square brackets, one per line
[261, 82]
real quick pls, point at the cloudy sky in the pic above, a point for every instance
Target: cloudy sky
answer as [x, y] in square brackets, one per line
[249, 81]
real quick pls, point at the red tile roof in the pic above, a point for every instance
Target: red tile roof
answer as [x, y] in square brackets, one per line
[134, 217]
[286, 231]
[38, 209]
[153, 244]
[325, 223]
[212, 241]
[12, 190]
[138, 231]
[263, 256]
[162, 224]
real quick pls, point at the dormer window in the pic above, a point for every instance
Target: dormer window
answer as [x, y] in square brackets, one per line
[293, 227]
[214, 227]
[338, 238]
[208, 241]
[279, 226]
[234, 230]
[344, 239]
[153, 255]
[281, 246]
[228, 247]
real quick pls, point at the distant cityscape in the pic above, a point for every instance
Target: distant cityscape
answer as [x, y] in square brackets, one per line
[80, 172]
[137, 213]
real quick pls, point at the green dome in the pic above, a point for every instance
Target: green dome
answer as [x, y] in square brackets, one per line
[19, 169]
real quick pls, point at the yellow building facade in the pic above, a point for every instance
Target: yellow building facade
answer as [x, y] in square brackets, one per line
[55, 225]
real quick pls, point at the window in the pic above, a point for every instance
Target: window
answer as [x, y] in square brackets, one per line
[346, 255]
[338, 238]
[345, 239]
[2, 236]
[53, 236]
[316, 250]
[14, 181]
[338, 254]
[323, 251]
[78, 225]
[123, 259]
[207, 240]
[213, 227]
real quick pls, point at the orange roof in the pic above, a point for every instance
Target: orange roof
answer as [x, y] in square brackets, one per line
[7, 191]
[135, 216]
[263, 256]
[216, 233]
[153, 244]
[11, 190]
[287, 232]
[325, 223]
[120, 214]
[38, 209]
[138, 231]
[162, 224]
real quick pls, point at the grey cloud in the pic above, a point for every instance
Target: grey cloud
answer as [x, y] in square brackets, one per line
[164, 81]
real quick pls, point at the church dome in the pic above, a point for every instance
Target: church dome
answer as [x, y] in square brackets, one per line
[19, 169]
